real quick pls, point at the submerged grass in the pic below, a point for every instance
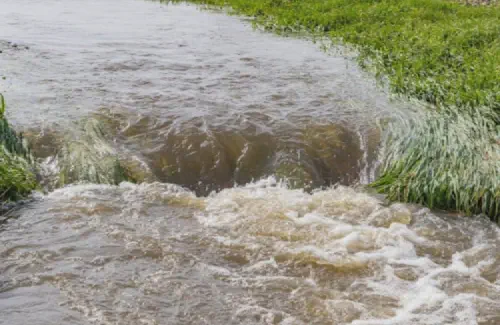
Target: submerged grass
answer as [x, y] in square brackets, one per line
[91, 158]
[441, 52]
[17, 177]
[449, 161]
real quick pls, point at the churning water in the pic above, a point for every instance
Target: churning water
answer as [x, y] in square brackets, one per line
[253, 129]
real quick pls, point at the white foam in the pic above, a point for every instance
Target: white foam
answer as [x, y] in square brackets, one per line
[278, 227]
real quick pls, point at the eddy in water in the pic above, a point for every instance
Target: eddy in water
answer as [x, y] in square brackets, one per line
[248, 150]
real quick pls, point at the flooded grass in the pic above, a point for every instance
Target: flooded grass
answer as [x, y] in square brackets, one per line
[448, 161]
[17, 178]
[91, 158]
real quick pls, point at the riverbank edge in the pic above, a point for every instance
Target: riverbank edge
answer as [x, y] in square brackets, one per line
[17, 166]
[442, 53]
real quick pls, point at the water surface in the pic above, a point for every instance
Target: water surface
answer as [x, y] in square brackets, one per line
[222, 111]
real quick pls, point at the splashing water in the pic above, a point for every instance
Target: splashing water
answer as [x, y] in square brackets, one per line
[259, 125]
[259, 254]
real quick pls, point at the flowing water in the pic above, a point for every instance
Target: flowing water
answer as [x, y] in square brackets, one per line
[240, 134]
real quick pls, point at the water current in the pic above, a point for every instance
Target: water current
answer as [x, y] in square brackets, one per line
[242, 135]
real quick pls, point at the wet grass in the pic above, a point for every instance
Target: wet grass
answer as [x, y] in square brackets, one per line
[448, 161]
[441, 52]
[91, 158]
[17, 177]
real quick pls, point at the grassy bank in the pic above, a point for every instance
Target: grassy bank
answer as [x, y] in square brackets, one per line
[442, 52]
[448, 161]
[17, 177]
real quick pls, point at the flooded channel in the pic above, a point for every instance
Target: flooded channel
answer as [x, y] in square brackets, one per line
[239, 136]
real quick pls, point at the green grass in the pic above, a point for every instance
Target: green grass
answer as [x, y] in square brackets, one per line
[441, 52]
[17, 177]
[449, 161]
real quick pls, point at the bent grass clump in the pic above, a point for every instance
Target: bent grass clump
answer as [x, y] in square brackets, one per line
[17, 168]
[446, 160]
[92, 158]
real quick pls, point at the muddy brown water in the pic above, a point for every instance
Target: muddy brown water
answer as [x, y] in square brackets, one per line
[218, 113]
